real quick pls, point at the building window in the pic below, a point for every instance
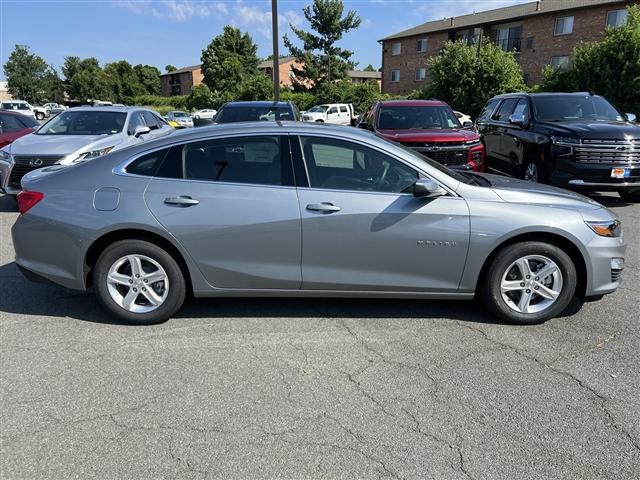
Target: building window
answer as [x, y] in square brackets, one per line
[422, 45]
[421, 74]
[564, 26]
[529, 43]
[617, 18]
[396, 48]
[560, 62]
[395, 75]
[509, 38]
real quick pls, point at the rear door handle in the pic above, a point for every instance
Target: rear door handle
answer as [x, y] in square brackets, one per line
[181, 201]
[324, 207]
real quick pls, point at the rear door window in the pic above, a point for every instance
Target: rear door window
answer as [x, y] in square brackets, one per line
[9, 123]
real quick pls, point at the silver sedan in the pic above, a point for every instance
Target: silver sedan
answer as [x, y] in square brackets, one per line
[292, 209]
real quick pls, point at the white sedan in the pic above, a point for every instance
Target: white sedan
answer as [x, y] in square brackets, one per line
[205, 114]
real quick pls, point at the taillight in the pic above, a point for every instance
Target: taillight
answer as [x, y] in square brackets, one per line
[27, 200]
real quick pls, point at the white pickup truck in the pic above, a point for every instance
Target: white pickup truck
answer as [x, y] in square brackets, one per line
[336, 113]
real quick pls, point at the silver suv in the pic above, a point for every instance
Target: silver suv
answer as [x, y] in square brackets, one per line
[76, 135]
[291, 209]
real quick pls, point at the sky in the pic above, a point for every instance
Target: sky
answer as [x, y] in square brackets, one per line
[161, 32]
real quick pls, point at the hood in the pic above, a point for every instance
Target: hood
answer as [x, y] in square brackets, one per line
[61, 144]
[429, 135]
[596, 130]
[514, 190]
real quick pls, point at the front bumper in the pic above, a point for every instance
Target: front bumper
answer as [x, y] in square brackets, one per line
[571, 174]
[605, 272]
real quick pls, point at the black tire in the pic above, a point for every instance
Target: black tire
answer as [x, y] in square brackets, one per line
[39, 116]
[631, 196]
[197, 117]
[175, 296]
[534, 166]
[319, 121]
[490, 288]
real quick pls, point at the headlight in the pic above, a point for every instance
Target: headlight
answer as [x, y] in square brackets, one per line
[606, 229]
[92, 154]
[5, 156]
[565, 141]
[472, 143]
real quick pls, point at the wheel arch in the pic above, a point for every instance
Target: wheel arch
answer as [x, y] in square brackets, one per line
[101, 243]
[552, 238]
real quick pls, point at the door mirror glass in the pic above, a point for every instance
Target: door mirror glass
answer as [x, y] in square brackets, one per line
[631, 117]
[425, 187]
[517, 119]
[141, 130]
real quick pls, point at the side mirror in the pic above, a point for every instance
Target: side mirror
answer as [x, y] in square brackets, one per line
[467, 125]
[517, 119]
[631, 117]
[425, 187]
[141, 130]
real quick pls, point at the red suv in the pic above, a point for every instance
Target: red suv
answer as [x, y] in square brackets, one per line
[429, 127]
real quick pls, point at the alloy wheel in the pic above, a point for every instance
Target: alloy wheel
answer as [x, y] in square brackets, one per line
[531, 284]
[137, 283]
[531, 173]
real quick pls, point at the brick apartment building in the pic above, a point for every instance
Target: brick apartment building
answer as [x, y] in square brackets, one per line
[540, 33]
[181, 81]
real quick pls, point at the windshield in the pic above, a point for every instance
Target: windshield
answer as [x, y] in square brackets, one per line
[179, 114]
[84, 123]
[319, 108]
[419, 117]
[558, 108]
[252, 114]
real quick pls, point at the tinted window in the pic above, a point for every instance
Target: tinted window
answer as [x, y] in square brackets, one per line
[333, 110]
[343, 108]
[150, 120]
[486, 112]
[522, 108]
[427, 117]
[9, 123]
[84, 123]
[147, 165]
[234, 114]
[506, 108]
[136, 120]
[557, 108]
[341, 165]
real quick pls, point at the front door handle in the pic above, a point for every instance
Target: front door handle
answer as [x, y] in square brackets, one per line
[181, 201]
[324, 207]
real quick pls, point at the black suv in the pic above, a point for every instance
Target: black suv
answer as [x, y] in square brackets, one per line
[232, 112]
[571, 140]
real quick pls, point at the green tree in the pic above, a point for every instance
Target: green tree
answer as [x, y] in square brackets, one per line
[369, 68]
[256, 87]
[149, 78]
[228, 60]
[200, 97]
[29, 77]
[124, 81]
[478, 77]
[610, 67]
[322, 60]
[169, 68]
[85, 80]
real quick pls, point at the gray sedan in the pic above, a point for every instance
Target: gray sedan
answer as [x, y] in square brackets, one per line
[291, 209]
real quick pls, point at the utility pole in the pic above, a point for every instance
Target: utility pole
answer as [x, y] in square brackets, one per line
[276, 54]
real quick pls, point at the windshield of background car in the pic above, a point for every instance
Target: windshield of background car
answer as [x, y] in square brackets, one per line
[319, 108]
[417, 117]
[84, 123]
[253, 114]
[558, 108]
[179, 115]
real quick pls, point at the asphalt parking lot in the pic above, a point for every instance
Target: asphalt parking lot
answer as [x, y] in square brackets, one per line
[265, 388]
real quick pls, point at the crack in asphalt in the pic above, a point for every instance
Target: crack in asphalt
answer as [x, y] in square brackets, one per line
[602, 400]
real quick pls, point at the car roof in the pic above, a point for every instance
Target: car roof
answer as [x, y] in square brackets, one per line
[107, 108]
[261, 103]
[13, 112]
[413, 103]
[544, 94]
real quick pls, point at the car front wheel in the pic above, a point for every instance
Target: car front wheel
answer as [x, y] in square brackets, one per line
[139, 282]
[40, 116]
[529, 283]
[533, 171]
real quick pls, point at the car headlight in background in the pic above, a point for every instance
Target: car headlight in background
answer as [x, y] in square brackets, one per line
[606, 229]
[5, 156]
[92, 154]
[565, 141]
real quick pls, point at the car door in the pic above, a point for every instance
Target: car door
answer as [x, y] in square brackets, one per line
[333, 115]
[517, 137]
[501, 160]
[344, 115]
[362, 229]
[232, 205]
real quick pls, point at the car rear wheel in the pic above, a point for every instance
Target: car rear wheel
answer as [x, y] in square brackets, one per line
[630, 195]
[529, 282]
[319, 121]
[139, 282]
[39, 115]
